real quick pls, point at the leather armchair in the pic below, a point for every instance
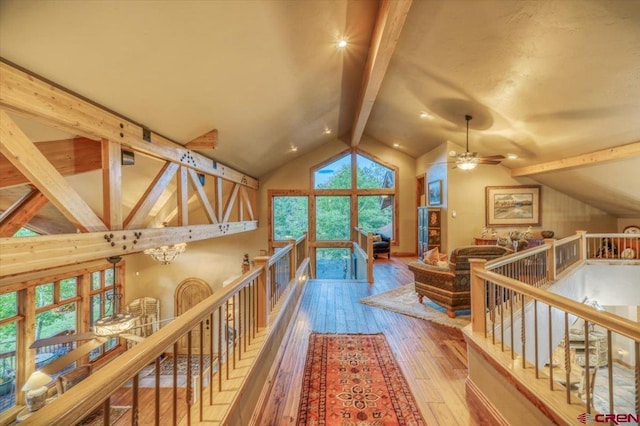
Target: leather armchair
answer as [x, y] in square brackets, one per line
[383, 246]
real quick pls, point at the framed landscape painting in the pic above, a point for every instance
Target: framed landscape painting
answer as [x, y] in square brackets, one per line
[513, 205]
[435, 192]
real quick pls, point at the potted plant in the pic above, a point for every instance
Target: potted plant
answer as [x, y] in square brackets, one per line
[6, 383]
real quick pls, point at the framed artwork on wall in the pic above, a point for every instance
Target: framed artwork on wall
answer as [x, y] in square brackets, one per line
[518, 205]
[435, 192]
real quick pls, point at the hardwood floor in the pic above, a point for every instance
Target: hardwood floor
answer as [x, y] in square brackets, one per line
[432, 356]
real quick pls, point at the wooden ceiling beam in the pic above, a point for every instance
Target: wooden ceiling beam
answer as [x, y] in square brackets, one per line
[21, 212]
[43, 101]
[24, 155]
[391, 18]
[68, 156]
[112, 185]
[207, 141]
[19, 255]
[230, 202]
[151, 196]
[202, 196]
[610, 154]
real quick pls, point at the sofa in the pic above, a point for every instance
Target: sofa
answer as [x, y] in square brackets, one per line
[449, 286]
[381, 245]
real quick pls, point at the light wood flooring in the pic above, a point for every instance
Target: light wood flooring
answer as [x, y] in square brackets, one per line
[431, 356]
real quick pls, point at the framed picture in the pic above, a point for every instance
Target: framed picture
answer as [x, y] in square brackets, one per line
[513, 205]
[434, 218]
[435, 192]
[434, 237]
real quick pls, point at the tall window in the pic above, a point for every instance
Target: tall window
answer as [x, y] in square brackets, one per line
[57, 304]
[103, 299]
[8, 328]
[290, 216]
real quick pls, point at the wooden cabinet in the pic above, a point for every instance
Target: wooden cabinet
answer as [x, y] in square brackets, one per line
[429, 230]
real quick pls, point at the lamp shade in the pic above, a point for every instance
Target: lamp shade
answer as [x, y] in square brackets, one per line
[37, 380]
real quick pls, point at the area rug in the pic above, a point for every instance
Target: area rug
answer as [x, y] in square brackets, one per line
[166, 366]
[97, 418]
[353, 379]
[404, 300]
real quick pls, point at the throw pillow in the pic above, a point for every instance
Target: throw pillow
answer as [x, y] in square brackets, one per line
[432, 256]
[376, 238]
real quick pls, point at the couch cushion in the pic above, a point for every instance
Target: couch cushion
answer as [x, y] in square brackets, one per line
[432, 257]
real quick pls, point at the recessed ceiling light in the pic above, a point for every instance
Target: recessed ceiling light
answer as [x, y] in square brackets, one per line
[396, 145]
[327, 131]
[425, 115]
[342, 43]
[294, 148]
[512, 156]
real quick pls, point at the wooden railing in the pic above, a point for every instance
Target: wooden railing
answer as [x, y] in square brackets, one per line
[560, 340]
[244, 322]
[363, 250]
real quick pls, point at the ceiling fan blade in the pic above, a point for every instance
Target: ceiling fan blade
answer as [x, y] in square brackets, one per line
[57, 340]
[493, 157]
[72, 356]
[132, 337]
[486, 161]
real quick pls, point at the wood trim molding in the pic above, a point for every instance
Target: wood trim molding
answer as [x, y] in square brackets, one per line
[33, 97]
[609, 154]
[389, 23]
[481, 405]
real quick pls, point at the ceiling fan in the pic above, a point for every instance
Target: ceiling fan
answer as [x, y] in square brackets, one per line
[469, 160]
[117, 324]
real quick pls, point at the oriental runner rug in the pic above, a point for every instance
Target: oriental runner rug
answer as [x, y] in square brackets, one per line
[353, 379]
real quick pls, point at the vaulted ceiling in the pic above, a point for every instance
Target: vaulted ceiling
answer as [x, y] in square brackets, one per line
[545, 80]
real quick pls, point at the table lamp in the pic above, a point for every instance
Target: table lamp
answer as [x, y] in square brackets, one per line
[36, 390]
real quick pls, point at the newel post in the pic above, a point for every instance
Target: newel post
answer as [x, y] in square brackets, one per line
[551, 259]
[582, 246]
[478, 297]
[263, 296]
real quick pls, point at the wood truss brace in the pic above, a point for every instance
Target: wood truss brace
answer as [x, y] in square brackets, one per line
[105, 133]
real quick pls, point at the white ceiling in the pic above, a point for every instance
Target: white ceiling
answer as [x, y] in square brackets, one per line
[542, 79]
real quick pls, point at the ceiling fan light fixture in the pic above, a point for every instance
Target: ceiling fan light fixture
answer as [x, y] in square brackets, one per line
[467, 165]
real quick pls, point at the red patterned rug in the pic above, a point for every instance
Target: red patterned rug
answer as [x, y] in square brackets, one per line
[353, 379]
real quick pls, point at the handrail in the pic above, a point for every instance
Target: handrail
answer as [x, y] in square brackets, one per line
[507, 310]
[607, 320]
[88, 395]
